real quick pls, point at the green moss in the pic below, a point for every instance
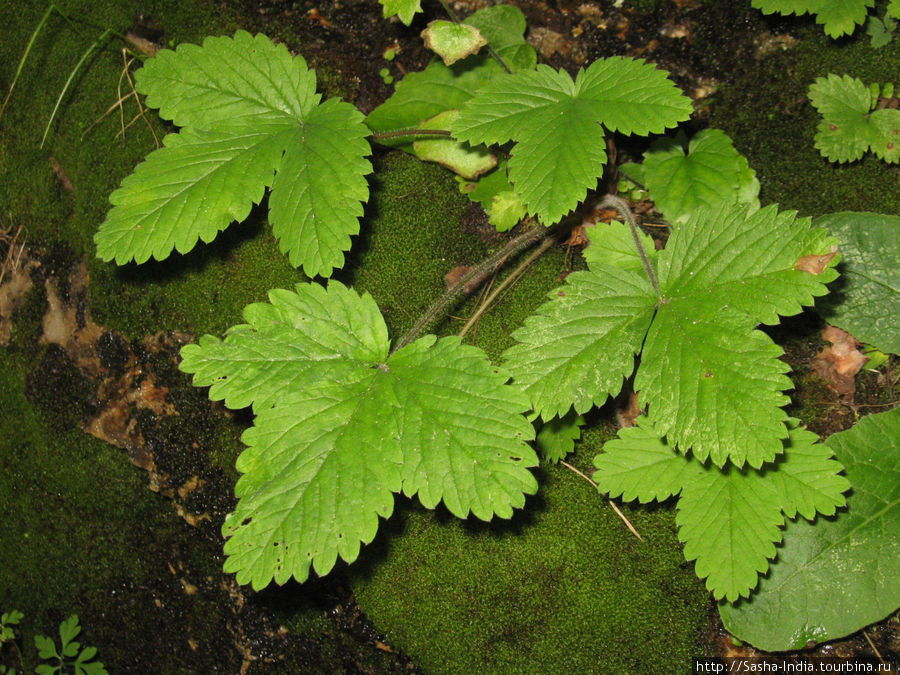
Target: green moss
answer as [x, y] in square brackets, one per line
[768, 115]
[562, 586]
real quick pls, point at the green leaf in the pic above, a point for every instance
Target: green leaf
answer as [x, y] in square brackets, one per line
[838, 575]
[557, 437]
[809, 483]
[839, 17]
[729, 520]
[341, 426]
[506, 210]
[613, 244]
[577, 349]
[46, 647]
[460, 158]
[424, 94]
[638, 465]
[558, 124]
[498, 199]
[404, 9]
[452, 41]
[893, 9]
[712, 381]
[251, 119]
[712, 171]
[866, 299]
[848, 128]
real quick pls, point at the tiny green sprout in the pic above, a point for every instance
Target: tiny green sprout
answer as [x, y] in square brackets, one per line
[386, 76]
[390, 52]
[7, 621]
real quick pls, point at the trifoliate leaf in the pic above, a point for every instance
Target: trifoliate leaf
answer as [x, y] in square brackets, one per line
[613, 244]
[710, 172]
[557, 437]
[638, 465]
[341, 426]
[848, 128]
[810, 482]
[866, 299]
[578, 348]
[404, 9]
[839, 17]
[452, 41]
[713, 383]
[424, 94]
[729, 520]
[838, 575]
[558, 124]
[248, 110]
[460, 158]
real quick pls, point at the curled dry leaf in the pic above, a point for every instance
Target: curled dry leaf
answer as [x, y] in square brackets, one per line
[839, 363]
[814, 264]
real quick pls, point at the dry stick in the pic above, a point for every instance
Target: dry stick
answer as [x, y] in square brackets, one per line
[611, 503]
[480, 271]
[619, 205]
[516, 273]
[872, 645]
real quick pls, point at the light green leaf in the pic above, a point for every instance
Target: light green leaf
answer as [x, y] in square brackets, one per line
[506, 210]
[341, 426]
[613, 244]
[452, 41]
[404, 9]
[809, 482]
[460, 158]
[577, 349]
[837, 575]
[866, 299]
[893, 9]
[712, 171]
[839, 17]
[639, 465]
[558, 124]
[424, 94]
[886, 134]
[248, 110]
[557, 437]
[729, 522]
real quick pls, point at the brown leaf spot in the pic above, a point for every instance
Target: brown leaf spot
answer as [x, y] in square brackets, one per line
[453, 276]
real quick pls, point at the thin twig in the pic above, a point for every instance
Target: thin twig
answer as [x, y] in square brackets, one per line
[383, 135]
[619, 205]
[611, 503]
[872, 645]
[515, 274]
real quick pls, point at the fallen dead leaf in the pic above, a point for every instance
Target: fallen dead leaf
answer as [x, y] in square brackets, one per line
[815, 264]
[839, 363]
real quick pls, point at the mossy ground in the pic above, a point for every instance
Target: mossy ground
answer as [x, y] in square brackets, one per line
[561, 585]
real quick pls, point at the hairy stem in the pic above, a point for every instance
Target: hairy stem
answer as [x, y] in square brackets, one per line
[409, 132]
[619, 205]
[515, 274]
[491, 50]
[479, 272]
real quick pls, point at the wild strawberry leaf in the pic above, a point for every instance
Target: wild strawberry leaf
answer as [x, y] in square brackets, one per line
[250, 119]
[341, 426]
[712, 381]
[404, 9]
[730, 520]
[559, 125]
[838, 575]
[839, 17]
[707, 171]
